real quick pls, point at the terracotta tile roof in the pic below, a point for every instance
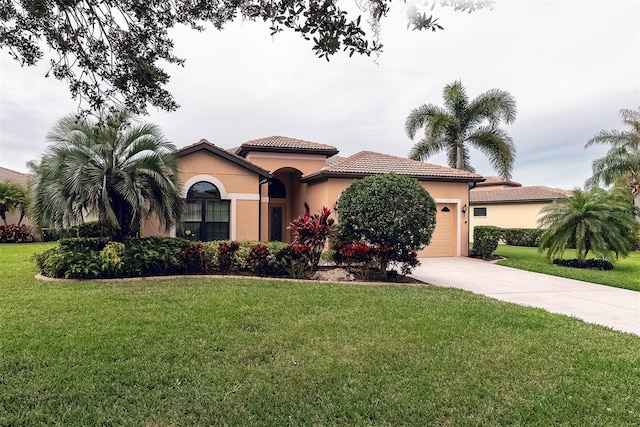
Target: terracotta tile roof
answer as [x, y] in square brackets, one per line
[496, 181]
[537, 193]
[333, 159]
[13, 176]
[369, 163]
[284, 144]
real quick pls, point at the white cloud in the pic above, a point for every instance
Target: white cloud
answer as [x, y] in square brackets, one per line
[570, 65]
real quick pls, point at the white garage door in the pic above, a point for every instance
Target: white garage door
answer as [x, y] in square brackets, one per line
[444, 239]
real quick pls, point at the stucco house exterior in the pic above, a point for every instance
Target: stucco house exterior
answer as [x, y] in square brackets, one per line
[508, 204]
[252, 192]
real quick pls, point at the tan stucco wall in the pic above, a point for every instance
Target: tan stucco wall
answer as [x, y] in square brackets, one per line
[508, 215]
[306, 163]
[235, 178]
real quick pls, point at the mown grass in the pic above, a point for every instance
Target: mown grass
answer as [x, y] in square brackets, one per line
[626, 272]
[252, 352]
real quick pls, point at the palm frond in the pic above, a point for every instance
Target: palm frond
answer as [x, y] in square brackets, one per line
[498, 146]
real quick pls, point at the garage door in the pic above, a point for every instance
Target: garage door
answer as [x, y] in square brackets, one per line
[444, 239]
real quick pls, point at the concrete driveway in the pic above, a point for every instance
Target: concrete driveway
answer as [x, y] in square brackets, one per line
[603, 305]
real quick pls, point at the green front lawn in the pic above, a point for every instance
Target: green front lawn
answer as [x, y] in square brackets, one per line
[626, 272]
[265, 352]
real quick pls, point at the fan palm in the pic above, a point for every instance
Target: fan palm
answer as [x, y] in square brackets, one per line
[111, 168]
[597, 221]
[622, 161]
[463, 123]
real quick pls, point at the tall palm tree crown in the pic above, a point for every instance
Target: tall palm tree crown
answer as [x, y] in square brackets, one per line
[622, 161]
[462, 123]
[109, 167]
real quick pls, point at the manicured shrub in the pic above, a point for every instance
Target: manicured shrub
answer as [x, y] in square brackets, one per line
[522, 236]
[387, 211]
[92, 229]
[79, 244]
[153, 256]
[69, 264]
[485, 240]
[55, 234]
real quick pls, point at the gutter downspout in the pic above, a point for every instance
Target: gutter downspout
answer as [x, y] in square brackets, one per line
[260, 184]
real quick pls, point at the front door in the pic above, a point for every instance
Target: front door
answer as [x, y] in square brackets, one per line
[276, 223]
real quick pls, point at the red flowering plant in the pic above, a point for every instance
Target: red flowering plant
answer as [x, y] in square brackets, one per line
[193, 258]
[258, 259]
[312, 231]
[358, 257]
[15, 233]
[226, 250]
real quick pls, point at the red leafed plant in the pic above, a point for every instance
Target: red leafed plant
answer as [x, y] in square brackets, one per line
[313, 231]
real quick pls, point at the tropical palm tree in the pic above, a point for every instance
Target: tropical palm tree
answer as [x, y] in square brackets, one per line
[463, 123]
[622, 161]
[109, 167]
[12, 197]
[599, 222]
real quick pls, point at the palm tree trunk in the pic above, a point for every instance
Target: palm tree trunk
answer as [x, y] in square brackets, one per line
[459, 153]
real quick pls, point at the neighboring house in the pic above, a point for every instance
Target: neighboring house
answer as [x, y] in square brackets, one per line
[508, 204]
[252, 192]
[17, 178]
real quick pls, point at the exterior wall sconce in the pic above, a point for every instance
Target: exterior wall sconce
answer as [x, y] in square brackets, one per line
[464, 209]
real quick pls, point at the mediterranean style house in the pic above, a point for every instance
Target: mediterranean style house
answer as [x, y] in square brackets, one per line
[252, 192]
[508, 204]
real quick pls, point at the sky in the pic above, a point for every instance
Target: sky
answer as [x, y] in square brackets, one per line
[571, 66]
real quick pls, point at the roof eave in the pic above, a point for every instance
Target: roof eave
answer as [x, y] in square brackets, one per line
[324, 175]
[243, 151]
[497, 202]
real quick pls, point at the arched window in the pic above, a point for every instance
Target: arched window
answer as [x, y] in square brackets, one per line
[277, 190]
[206, 214]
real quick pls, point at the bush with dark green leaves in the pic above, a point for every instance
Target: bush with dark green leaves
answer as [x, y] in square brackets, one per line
[92, 229]
[529, 237]
[485, 240]
[154, 256]
[386, 210]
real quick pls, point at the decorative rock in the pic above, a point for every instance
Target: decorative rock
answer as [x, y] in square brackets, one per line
[333, 275]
